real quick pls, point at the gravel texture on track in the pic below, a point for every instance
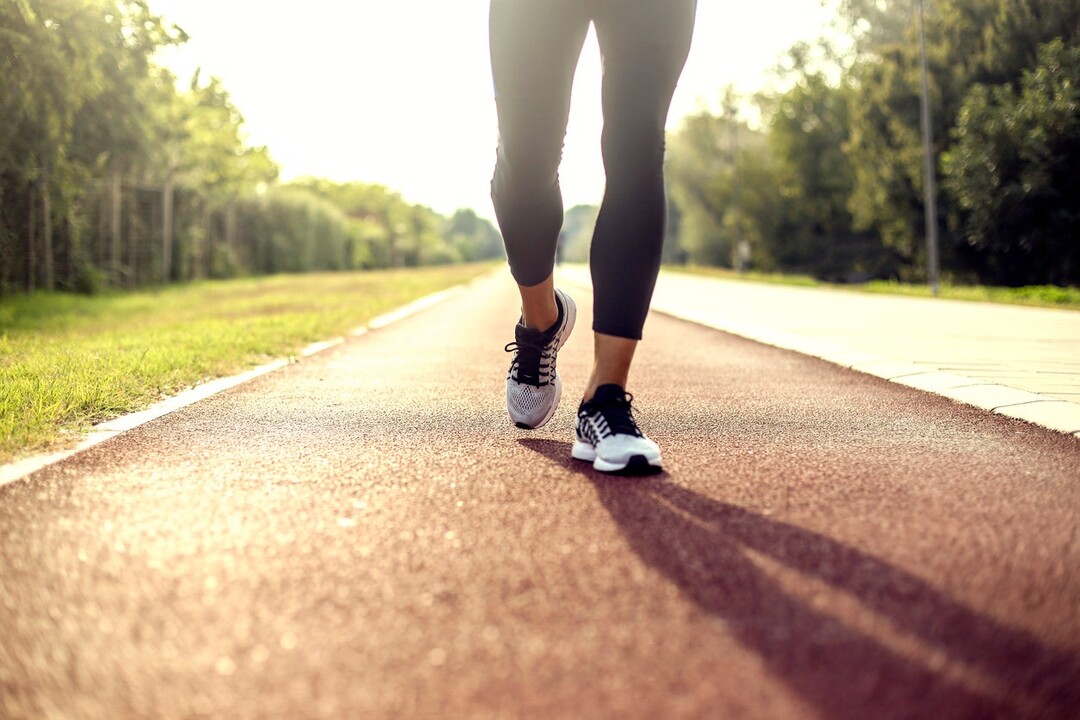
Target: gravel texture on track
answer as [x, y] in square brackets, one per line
[365, 534]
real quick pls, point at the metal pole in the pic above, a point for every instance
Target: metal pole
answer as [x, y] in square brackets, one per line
[929, 174]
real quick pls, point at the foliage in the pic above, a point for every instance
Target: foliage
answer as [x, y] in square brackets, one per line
[386, 231]
[832, 185]
[784, 191]
[703, 162]
[472, 237]
[576, 239]
[1013, 171]
[810, 133]
[275, 218]
[75, 72]
[970, 43]
[113, 175]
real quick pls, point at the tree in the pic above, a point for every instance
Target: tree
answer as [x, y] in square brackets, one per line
[970, 43]
[874, 24]
[472, 237]
[700, 172]
[219, 165]
[75, 74]
[809, 134]
[724, 185]
[50, 70]
[115, 133]
[387, 231]
[575, 241]
[1012, 169]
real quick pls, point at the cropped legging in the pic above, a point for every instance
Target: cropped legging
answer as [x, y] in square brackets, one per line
[535, 46]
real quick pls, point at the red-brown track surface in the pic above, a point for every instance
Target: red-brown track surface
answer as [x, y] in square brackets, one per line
[364, 534]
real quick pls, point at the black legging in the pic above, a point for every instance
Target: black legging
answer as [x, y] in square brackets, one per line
[535, 46]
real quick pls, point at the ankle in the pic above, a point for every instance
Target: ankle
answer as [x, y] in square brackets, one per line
[539, 309]
[541, 318]
[612, 359]
[594, 385]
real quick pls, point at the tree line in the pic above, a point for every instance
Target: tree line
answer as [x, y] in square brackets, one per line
[830, 182]
[111, 175]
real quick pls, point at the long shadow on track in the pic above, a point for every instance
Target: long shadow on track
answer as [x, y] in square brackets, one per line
[719, 556]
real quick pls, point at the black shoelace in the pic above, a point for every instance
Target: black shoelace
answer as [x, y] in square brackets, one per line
[529, 362]
[617, 413]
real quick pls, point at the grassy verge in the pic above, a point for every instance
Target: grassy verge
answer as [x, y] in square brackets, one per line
[67, 361]
[1034, 295]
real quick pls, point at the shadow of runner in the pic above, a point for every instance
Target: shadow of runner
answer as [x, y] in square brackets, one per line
[708, 548]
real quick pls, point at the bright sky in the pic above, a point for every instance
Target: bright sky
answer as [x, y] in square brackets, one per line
[399, 92]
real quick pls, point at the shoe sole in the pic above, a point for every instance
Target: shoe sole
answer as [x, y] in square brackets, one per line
[571, 317]
[634, 465]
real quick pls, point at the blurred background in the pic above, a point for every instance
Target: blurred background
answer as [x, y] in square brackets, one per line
[144, 143]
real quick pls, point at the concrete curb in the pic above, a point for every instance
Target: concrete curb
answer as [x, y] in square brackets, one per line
[20, 469]
[1050, 413]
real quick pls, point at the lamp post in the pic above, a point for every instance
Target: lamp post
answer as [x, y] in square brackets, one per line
[929, 175]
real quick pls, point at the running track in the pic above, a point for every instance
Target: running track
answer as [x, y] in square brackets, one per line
[364, 534]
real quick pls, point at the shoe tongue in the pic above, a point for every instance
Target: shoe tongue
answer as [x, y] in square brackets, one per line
[608, 393]
[542, 336]
[528, 335]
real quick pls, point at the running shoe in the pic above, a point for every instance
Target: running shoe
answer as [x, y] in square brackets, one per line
[533, 388]
[608, 436]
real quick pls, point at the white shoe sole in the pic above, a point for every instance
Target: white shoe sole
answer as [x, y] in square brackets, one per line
[587, 453]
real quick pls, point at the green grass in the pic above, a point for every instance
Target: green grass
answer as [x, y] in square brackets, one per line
[68, 361]
[1033, 295]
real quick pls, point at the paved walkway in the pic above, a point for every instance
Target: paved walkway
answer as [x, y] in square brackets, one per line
[1021, 362]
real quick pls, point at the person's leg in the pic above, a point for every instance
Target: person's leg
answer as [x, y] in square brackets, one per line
[644, 44]
[535, 46]
[538, 308]
[612, 357]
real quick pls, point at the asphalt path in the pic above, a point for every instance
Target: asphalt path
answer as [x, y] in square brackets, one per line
[365, 534]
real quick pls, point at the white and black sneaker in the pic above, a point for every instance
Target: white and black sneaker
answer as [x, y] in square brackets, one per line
[608, 436]
[533, 388]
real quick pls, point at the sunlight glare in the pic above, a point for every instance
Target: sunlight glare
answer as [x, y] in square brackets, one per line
[400, 93]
